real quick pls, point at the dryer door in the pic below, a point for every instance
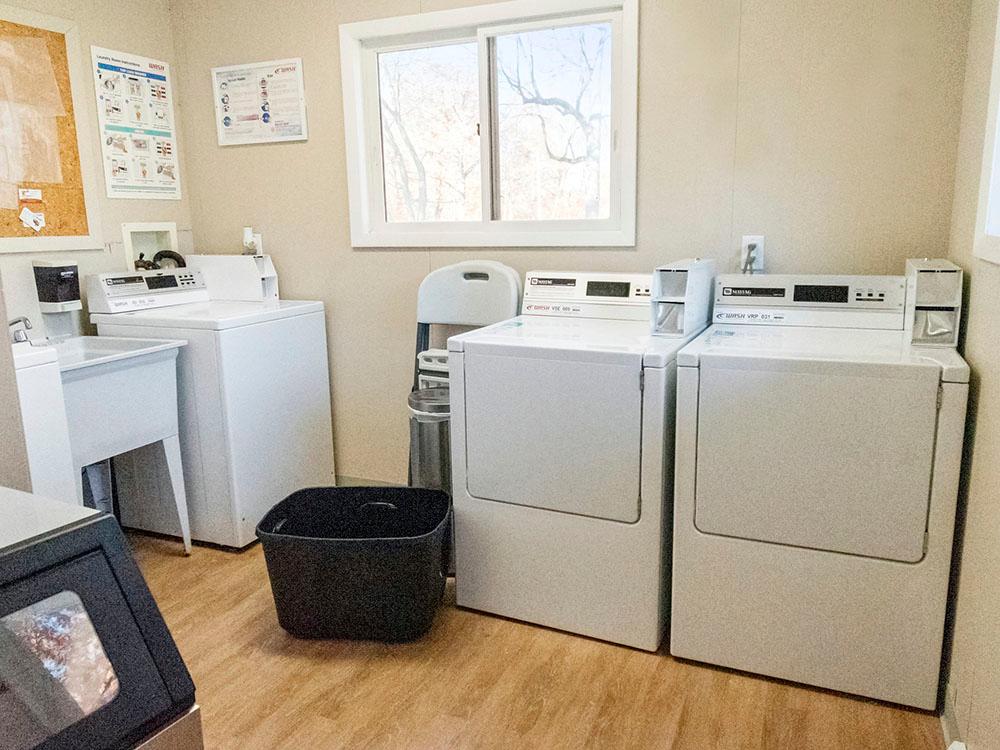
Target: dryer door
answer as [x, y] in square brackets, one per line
[554, 429]
[828, 455]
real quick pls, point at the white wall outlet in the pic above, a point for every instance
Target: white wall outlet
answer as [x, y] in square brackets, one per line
[758, 253]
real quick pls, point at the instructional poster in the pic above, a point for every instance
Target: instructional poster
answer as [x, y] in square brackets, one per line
[135, 112]
[260, 102]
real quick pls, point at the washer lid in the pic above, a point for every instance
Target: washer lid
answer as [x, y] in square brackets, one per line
[822, 345]
[216, 315]
[590, 339]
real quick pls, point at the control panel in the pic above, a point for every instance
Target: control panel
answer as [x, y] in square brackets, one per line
[143, 290]
[811, 300]
[615, 296]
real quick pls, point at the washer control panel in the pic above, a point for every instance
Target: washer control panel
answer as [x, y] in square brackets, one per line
[811, 300]
[623, 296]
[142, 290]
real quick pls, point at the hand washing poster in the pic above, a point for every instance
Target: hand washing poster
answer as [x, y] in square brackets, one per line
[260, 102]
[135, 113]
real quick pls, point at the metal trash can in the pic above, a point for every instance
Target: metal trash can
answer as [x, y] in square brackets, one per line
[430, 446]
[430, 440]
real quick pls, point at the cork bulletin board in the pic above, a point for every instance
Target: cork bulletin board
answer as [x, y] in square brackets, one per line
[44, 195]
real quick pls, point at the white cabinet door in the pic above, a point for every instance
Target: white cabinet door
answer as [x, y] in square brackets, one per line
[554, 430]
[827, 455]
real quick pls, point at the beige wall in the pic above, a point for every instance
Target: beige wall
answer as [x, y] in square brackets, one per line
[975, 669]
[829, 127]
[142, 28]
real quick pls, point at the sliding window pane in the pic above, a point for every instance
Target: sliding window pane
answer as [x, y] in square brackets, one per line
[429, 102]
[553, 95]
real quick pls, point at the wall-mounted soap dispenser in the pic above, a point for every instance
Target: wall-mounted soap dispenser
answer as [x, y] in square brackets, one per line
[933, 302]
[682, 297]
[58, 288]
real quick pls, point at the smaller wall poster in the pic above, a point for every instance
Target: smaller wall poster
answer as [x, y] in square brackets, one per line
[135, 114]
[261, 102]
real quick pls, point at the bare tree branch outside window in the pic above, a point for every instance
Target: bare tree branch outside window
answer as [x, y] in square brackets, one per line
[430, 111]
[553, 99]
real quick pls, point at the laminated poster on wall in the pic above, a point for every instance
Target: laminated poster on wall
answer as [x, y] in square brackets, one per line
[135, 112]
[260, 102]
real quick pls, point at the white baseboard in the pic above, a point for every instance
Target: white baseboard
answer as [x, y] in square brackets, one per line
[345, 481]
[949, 721]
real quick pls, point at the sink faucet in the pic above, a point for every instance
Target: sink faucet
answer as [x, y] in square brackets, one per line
[21, 335]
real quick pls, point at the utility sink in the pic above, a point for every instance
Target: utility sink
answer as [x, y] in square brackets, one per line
[121, 394]
[90, 351]
[27, 354]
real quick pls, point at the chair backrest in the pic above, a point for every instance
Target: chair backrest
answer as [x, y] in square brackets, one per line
[470, 293]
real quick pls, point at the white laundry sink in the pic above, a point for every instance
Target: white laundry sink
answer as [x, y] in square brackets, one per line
[27, 354]
[121, 394]
[89, 351]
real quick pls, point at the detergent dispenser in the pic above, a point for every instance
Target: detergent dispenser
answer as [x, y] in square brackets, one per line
[933, 301]
[682, 297]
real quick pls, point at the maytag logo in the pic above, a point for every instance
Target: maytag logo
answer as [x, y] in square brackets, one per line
[753, 291]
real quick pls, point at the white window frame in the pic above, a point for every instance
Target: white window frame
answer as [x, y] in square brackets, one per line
[360, 44]
[986, 243]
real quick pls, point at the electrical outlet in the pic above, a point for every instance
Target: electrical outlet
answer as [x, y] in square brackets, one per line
[758, 253]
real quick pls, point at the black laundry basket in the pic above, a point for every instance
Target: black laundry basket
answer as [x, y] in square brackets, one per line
[357, 562]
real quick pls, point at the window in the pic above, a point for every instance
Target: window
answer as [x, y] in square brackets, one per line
[428, 113]
[498, 125]
[987, 236]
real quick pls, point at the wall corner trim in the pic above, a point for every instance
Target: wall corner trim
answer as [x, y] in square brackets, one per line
[949, 721]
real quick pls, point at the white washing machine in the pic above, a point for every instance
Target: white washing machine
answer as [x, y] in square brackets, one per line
[253, 394]
[818, 458]
[562, 429]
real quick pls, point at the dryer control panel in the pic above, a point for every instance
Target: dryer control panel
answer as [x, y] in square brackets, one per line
[142, 290]
[876, 302]
[612, 296]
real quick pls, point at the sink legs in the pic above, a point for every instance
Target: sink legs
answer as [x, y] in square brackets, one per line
[172, 451]
[100, 491]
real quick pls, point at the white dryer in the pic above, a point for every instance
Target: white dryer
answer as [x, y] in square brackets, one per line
[818, 458]
[562, 424]
[253, 394]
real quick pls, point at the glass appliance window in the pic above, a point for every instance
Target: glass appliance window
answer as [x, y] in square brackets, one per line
[53, 669]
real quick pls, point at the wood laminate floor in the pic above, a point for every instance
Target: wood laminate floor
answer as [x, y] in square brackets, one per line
[475, 681]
